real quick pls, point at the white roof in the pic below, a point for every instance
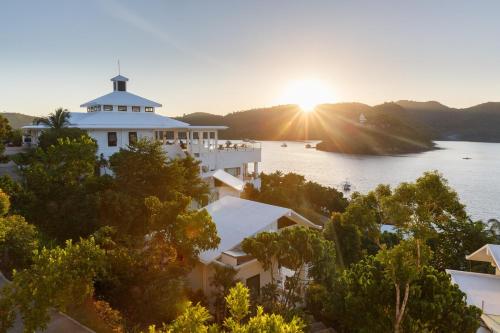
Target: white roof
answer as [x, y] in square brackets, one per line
[482, 290]
[488, 253]
[118, 120]
[228, 179]
[121, 98]
[237, 219]
[119, 78]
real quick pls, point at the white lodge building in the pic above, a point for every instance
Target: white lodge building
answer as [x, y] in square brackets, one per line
[119, 118]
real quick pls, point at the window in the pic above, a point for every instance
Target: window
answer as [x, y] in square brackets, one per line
[96, 108]
[196, 138]
[89, 109]
[122, 108]
[182, 136]
[108, 107]
[121, 85]
[136, 109]
[112, 139]
[132, 137]
[169, 135]
[253, 283]
[205, 135]
[233, 171]
[149, 109]
[212, 135]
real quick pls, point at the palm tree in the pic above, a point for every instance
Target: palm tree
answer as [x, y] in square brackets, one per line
[57, 119]
[494, 228]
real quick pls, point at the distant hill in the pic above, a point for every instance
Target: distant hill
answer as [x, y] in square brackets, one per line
[17, 120]
[477, 123]
[338, 125]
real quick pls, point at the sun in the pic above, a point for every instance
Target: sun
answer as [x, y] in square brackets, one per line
[308, 94]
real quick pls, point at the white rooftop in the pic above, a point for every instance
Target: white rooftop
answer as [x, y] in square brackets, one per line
[117, 119]
[237, 219]
[121, 98]
[482, 290]
[488, 253]
[228, 179]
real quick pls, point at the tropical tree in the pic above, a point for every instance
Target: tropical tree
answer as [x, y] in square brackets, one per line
[58, 277]
[156, 237]
[18, 239]
[434, 303]
[57, 119]
[61, 189]
[297, 249]
[402, 266]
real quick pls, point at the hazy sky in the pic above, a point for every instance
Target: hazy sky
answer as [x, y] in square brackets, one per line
[223, 56]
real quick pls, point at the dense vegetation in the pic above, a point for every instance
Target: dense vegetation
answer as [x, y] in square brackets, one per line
[121, 246]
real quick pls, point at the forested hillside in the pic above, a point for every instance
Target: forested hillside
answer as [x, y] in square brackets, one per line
[385, 131]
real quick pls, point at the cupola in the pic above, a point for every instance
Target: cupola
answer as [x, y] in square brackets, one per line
[119, 83]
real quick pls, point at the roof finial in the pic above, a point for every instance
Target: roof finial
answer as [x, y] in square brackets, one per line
[119, 67]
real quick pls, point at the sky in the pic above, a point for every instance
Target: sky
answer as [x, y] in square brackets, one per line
[222, 56]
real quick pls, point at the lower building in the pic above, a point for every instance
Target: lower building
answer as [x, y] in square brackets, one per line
[237, 219]
[483, 290]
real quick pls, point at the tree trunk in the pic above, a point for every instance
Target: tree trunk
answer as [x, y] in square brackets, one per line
[400, 311]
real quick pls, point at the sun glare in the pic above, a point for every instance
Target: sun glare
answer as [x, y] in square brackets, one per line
[308, 94]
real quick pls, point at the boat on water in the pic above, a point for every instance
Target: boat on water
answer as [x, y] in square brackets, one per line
[284, 145]
[466, 158]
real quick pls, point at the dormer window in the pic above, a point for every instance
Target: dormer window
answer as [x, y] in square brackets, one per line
[122, 108]
[136, 109]
[108, 107]
[149, 109]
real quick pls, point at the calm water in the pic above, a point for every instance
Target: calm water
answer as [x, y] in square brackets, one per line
[476, 180]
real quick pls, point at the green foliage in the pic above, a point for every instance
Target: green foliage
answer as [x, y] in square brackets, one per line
[438, 305]
[455, 241]
[195, 318]
[293, 248]
[292, 191]
[51, 136]
[435, 304]
[155, 237]
[57, 278]
[18, 240]
[346, 237]
[143, 170]
[402, 266]
[4, 203]
[222, 281]
[57, 119]
[61, 189]
[16, 137]
[5, 129]
[238, 303]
